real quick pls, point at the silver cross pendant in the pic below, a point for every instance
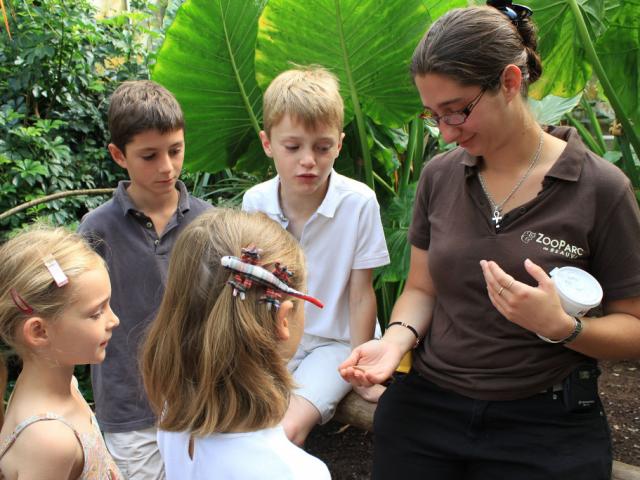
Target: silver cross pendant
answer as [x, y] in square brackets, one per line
[496, 217]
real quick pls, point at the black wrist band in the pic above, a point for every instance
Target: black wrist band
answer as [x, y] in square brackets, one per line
[413, 330]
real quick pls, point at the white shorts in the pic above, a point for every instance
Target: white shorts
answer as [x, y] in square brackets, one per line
[315, 371]
[136, 454]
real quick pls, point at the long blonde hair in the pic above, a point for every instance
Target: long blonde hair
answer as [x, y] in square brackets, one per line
[25, 281]
[211, 362]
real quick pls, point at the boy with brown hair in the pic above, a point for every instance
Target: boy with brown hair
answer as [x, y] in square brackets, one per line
[337, 221]
[135, 232]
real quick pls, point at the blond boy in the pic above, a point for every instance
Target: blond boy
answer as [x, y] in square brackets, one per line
[336, 220]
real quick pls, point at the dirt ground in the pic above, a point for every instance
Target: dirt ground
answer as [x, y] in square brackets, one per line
[347, 450]
[620, 392]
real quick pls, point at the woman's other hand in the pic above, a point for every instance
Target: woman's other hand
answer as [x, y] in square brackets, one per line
[537, 309]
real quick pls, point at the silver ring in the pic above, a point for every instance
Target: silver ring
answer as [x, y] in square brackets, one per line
[500, 291]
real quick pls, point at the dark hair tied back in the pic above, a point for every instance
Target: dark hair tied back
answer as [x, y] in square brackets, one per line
[473, 45]
[519, 15]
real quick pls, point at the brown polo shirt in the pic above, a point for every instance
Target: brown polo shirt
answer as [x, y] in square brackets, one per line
[585, 215]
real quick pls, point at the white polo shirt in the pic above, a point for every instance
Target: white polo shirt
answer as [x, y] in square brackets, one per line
[344, 234]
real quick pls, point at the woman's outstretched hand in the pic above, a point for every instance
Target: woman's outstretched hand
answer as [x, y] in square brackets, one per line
[538, 309]
[371, 363]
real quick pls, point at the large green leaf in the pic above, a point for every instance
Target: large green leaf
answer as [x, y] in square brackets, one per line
[207, 61]
[439, 8]
[565, 69]
[619, 52]
[551, 109]
[367, 43]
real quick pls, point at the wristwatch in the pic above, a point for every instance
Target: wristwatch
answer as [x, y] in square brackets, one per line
[576, 331]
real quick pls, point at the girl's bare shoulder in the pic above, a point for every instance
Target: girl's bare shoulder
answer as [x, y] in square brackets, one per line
[45, 450]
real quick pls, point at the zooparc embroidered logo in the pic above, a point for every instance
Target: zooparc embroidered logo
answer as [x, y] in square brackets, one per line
[552, 245]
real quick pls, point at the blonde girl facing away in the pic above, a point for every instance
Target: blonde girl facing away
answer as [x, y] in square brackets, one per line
[55, 314]
[214, 361]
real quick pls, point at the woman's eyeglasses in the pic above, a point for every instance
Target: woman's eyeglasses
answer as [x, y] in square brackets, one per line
[453, 118]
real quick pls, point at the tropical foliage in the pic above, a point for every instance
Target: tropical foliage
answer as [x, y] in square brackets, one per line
[207, 61]
[220, 55]
[584, 38]
[56, 73]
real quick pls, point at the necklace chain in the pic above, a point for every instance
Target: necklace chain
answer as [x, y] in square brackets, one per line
[497, 207]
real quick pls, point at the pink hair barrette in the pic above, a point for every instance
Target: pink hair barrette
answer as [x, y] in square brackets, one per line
[20, 302]
[55, 270]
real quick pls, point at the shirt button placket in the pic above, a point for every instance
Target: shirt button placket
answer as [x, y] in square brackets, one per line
[149, 225]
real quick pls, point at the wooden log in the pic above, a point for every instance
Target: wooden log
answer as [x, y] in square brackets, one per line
[622, 471]
[356, 411]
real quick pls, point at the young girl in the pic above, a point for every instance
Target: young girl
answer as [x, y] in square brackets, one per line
[214, 362]
[54, 312]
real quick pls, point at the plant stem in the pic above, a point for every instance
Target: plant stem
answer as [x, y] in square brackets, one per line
[382, 182]
[419, 161]
[236, 72]
[594, 123]
[360, 123]
[6, 19]
[55, 196]
[387, 305]
[414, 148]
[59, 53]
[630, 166]
[592, 55]
[585, 134]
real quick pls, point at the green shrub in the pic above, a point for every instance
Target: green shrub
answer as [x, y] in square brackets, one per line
[56, 75]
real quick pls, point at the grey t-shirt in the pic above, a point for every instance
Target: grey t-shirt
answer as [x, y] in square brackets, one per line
[585, 215]
[137, 260]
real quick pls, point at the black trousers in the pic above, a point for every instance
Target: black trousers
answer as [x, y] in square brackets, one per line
[424, 432]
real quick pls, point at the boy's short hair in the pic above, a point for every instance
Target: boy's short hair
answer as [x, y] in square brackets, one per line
[308, 94]
[140, 105]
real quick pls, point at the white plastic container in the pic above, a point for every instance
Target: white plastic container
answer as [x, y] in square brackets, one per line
[578, 290]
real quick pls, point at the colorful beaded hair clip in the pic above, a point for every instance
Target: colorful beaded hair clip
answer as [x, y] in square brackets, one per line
[248, 271]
